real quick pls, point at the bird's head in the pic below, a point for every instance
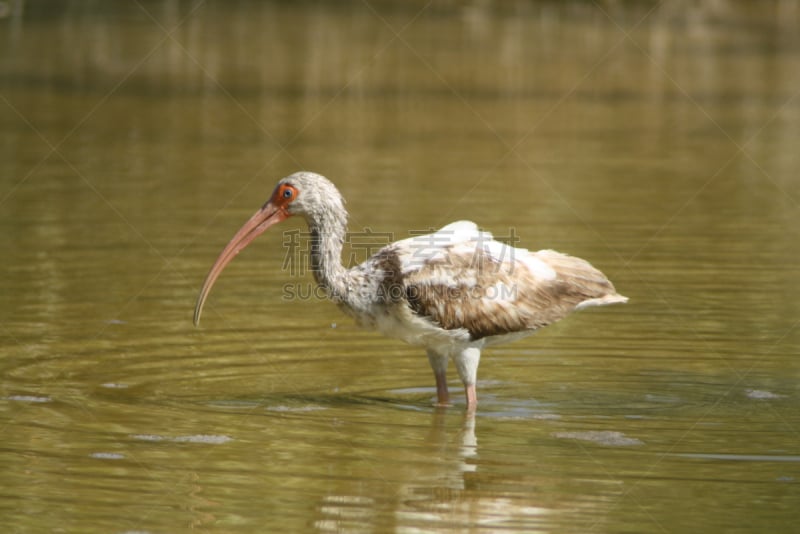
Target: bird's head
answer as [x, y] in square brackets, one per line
[308, 194]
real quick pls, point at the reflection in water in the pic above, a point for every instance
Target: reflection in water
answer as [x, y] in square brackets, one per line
[440, 497]
[449, 499]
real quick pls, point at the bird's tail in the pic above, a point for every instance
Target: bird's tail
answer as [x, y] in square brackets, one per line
[616, 298]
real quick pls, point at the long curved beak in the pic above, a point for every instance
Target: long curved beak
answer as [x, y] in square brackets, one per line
[255, 226]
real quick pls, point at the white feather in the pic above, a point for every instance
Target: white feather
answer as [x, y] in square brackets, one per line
[537, 267]
[418, 250]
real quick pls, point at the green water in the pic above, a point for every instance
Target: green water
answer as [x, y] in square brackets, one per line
[657, 140]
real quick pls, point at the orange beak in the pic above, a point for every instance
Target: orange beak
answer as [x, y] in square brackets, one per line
[267, 216]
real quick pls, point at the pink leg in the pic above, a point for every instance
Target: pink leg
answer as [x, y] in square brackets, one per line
[439, 365]
[472, 397]
[467, 365]
[442, 395]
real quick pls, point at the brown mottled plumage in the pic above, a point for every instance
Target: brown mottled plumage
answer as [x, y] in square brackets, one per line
[453, 292]
[491, 299]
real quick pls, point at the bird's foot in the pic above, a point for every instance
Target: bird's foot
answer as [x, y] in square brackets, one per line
[442, 399]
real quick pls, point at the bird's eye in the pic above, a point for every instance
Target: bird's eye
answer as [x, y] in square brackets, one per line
[287, 193]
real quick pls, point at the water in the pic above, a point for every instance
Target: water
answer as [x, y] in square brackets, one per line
[657, 140]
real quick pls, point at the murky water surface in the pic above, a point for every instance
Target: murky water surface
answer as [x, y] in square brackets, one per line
[658, 140]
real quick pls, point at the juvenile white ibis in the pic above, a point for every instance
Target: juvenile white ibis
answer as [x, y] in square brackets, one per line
[453, 292]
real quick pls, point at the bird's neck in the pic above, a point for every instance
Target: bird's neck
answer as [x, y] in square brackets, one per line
[327, 239]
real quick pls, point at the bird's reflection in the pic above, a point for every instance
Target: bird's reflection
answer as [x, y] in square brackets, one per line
[465, 440]
[442, 486]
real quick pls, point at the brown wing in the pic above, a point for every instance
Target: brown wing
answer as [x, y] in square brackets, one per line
[468, 288]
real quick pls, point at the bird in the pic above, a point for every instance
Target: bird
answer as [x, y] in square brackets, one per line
[453, 292]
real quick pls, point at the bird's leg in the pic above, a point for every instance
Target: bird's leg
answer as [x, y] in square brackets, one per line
[467, 366]
[439, 364]
[472, 397]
